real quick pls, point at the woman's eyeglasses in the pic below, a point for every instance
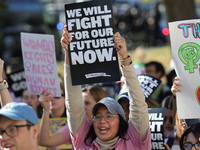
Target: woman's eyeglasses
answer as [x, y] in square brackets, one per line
[108, 117]
[188, 146]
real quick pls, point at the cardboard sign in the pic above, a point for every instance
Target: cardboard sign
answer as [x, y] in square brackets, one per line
[40, 63]
[92, 55]
[184, 36]
[156, 123]
[148, 84]
[17, 82]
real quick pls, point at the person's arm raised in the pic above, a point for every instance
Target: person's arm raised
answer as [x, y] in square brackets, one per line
[73, 94]
[45, 139]
[138, 107]
[4, 93]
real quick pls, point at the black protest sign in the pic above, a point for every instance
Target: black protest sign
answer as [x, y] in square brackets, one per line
[148, 84]
[156, 123]
[92, 55]
[17, 82]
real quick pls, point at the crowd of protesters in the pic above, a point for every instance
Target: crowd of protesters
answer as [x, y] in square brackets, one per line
[109, 115]
[96, 120]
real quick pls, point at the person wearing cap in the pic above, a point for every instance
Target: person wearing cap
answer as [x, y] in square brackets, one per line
[19, 125]
[123, 100]
[109, 130]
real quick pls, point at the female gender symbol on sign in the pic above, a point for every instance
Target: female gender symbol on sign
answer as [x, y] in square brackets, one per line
[50, 68]
[187, 54]
[28, 65]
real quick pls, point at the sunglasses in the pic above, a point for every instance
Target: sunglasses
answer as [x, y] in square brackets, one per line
[62, 95]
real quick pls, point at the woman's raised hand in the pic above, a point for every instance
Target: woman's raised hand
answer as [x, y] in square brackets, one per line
[176, 86]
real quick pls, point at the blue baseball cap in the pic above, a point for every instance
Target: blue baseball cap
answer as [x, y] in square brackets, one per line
[19, 111]
[112, 105]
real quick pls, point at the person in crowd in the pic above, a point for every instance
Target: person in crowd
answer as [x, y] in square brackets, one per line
[19, 125]
[169, 130]
[109, 130]
[32, 100]
[180, 129]
[180, 123]
[53, 107]
[157, 70]
[140, 57]
[190, 139]
[91, 95]
[123, 100]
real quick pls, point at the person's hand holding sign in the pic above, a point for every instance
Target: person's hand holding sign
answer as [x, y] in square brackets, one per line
[120, 45]
[176, 86]
[45, 100]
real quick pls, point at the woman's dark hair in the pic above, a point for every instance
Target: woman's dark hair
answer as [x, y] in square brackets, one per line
[194, 129]
[158, 67]
[167, 102]
[123, 127]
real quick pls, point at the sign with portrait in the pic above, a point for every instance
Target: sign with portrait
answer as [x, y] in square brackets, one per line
[92, 55]
[184, 37]
[40, 63]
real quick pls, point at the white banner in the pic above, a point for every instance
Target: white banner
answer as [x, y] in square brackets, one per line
[185, 45]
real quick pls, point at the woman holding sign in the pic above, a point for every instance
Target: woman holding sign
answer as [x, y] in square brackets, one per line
[109, 129]
[90, 94]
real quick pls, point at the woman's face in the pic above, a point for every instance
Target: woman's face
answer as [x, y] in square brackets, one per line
[125, 106]
[104, 130]
[168, 124]
[58, 102]
[30, 99]
[191, 139]
[89, 103]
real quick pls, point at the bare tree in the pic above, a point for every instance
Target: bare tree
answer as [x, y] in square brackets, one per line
[180, 9]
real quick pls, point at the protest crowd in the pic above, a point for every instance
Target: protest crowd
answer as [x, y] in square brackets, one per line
[136, 112]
